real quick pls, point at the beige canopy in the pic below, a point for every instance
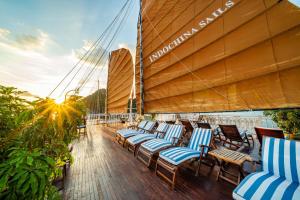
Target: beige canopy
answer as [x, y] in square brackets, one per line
[207, 55]
[120, 79]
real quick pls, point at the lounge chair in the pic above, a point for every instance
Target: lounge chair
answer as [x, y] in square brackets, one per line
[280, 175]
[135, 141]
[169, 160]
[123, 134]
[216, 132]
[260, 132]
[148, 151]
[234, 138]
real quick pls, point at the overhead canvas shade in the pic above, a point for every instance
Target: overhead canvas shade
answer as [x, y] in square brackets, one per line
[120, 79]
[220, 55]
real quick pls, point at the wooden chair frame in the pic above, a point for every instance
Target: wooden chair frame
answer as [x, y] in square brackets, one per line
[122, 140]
[173, 169]
[260, 132]
[134, 148]
[148, 157]
[232, 135]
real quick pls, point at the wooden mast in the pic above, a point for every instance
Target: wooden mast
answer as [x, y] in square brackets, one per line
[141, 63]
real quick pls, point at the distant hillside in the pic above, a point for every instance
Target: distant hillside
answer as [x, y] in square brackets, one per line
[96, 101]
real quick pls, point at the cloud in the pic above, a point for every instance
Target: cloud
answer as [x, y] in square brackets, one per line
[96, 52]
[26, 62]
[37, 42]
[4, 33]
[32, 42]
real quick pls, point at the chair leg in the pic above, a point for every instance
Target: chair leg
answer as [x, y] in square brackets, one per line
[247, 141]
[174, 179]
[198, 167]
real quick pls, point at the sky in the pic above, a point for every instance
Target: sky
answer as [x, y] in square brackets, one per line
[39, 40]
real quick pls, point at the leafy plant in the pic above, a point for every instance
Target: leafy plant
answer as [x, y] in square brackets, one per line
[287, 120]
[34, 139]
[26, 175]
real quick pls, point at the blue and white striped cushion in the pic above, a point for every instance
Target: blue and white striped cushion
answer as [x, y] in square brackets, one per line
[173, 131]
[142, 124]
[282, 158]
[140, 138]
[263, 185]
[149, 126]
[156, 144]
[178, 155]
[199, 137]
[162, 127]
[130, 132]
[280, 176]
[126, 130]
[144, 137]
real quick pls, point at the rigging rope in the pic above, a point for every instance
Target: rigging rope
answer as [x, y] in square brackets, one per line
[90, 56]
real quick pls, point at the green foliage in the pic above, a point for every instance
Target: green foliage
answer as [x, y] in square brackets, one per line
[26, 175]
[287, 120]
[11, 106]
[96, 101]
[34, 141]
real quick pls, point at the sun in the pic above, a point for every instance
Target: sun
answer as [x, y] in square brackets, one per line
[59, 100]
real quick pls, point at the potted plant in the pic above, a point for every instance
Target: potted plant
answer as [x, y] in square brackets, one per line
[287, 120]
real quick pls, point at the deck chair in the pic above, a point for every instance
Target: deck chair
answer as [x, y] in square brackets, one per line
[188, 126]
[169, 160]
[148, 151]
[234, 138]
[279, 178]
[260, 132]
[135, 141]
[123, 134]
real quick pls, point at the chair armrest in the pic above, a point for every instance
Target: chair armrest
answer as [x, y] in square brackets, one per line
[132, 127]
[160, 134]
[202, 154]
[174, 140]
[205, 146]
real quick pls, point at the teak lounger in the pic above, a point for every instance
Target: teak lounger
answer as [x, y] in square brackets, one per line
[233, 137]
[148, 151]
[169, 160]
[123, 134]
[135, 141]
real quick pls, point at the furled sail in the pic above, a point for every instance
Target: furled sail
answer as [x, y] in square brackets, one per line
[120, 79]
[219, 55]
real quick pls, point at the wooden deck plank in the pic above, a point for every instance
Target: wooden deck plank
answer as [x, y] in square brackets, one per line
[104, 170]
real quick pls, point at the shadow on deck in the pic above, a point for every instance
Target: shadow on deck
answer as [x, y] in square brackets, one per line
[103, 169]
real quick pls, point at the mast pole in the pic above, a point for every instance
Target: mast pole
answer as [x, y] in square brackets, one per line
[141, 63]
[106, 97]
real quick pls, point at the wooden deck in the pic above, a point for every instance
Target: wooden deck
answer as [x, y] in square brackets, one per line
[103, 169]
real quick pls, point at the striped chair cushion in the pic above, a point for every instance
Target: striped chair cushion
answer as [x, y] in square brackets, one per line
[280, 176]
[140, 138]
[142, 124]
[149, 126]
[125, 130]
[263, 185]
[281, 158]
[178, 155]
[130, 132]
[156, 144]
[162, 127]
[199, 137]
[144, 137]
[173, 131]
